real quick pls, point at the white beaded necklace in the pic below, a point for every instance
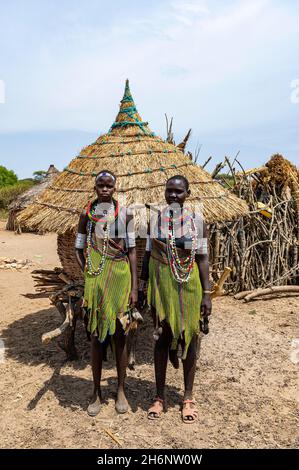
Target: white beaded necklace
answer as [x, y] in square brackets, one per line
[90, 268]
[181, 269]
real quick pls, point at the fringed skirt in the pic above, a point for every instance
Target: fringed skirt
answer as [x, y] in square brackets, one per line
[177, 304]
[106, 296]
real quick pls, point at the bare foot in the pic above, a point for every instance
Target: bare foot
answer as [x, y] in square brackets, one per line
[121, 404]
[94, 406]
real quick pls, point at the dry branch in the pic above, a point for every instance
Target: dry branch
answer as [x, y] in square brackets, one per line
[242, 295]
[272, 290]
[111, 435]
[263, 247]
[47, 337]
[218, 287]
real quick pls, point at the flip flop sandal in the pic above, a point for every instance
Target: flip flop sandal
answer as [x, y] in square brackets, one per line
[156, 410]
[189, 413]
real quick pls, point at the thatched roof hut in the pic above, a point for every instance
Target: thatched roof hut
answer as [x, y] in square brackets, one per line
[27, 198]
[142, 163]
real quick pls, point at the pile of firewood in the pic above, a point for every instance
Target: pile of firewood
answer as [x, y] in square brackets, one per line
[263, 248]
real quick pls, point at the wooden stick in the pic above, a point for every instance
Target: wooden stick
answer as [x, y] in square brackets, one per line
[64, 278]
[218, 288]
[241, 295]
[47, 337]
[206, 162]
[112, 437]
[218, 168]
[252, 170]
[183, 144]
[271, 290]
[197, 152]
[231, 169]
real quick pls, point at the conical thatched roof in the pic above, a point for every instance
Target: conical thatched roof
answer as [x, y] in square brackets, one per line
[26, 198]
[142, 163]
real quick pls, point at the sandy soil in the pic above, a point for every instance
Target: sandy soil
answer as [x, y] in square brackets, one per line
[246, 386]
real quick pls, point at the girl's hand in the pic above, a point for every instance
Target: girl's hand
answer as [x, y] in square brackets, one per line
[133, 298]
[206, 305]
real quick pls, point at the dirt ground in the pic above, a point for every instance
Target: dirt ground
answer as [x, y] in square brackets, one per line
[246, 385]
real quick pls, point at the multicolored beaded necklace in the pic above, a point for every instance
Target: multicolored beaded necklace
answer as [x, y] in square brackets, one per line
[181, 268]
[110, 216]
[91, 208]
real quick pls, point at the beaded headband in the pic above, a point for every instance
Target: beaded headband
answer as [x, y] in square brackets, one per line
[105, 173]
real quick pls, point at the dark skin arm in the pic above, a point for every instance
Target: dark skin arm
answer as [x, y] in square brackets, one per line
[145, 263]
[145, 266]
[203, 266]
[143, 278]
[81, 229]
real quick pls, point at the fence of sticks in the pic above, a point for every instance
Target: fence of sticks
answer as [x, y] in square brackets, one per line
[262, 248]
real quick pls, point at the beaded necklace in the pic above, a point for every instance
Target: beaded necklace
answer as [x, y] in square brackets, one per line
[110, 216]
[166, 215]
[181, 268]
[91, 210]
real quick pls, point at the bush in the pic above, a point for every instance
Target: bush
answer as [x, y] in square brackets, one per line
[3, 214]
[9, 193]
[225, 179]
[39, 175]
[7, 177]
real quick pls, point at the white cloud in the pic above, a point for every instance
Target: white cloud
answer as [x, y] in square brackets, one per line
[183, 19]
[210, 65]
[196, 7]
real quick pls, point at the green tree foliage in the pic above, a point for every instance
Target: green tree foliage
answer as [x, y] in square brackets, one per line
[39, 175]
[225, 179]
[9, 193]
[7, 177]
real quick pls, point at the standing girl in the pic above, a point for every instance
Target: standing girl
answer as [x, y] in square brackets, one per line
[110, 289]
[177, 270]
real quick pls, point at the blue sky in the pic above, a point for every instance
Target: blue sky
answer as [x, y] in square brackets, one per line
[223, 68]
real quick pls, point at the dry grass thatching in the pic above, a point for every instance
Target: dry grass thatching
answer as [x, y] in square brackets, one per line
[142, 163]
[28, 197]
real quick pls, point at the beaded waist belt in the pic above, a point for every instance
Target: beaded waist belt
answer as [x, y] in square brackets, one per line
[114, 251]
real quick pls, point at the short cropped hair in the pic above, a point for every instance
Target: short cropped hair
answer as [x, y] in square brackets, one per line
[180, 177]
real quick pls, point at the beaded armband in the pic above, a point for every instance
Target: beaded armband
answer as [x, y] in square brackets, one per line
[80, 241]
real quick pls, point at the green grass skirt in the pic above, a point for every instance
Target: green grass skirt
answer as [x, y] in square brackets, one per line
[106, 297]
[178, 304]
